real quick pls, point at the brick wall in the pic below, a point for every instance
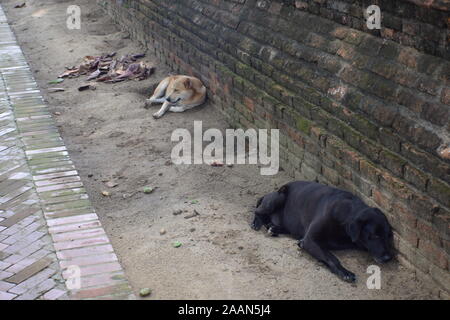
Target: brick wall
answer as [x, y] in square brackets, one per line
[366, 111]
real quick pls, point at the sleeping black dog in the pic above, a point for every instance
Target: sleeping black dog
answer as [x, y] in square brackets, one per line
[323, 218]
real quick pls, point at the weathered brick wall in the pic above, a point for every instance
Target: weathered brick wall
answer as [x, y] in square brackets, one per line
[367, 111]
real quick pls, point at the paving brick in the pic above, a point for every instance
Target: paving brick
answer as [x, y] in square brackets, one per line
[29, 271]
[33, 281]
[53, 294]
[74, 227]
[5, 286]
[79, 234]
[72, 253]
[96, 269]
[99, 292]
[102, 279]
[81, 243]
[6, 296]
[89, 260]
[71, 220]
[37, 291]
[25, 242]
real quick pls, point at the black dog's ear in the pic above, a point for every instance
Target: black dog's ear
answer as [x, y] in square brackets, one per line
[354, 229]
[283, 189]
[258, 203]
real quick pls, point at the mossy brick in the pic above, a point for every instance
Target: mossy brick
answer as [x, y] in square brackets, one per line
[302, 106]
[319, 116]
[423, 206]
[369, 171]
[440, 191]
[331, 175]
[334, 147]
[396, 186]
[392, 162]
[417, 177]
[303, 124]
[364, 125]
[68, 205]
[441, 222]
[436, 113]
[350, 158]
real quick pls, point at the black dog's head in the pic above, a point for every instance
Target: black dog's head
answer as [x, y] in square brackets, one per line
[270, 202]
[371, 229]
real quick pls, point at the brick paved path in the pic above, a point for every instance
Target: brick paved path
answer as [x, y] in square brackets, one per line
[47, 223]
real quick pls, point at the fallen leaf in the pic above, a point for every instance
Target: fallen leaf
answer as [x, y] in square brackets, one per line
[111, 184]
[106, 193]
[177, 244]
[148, 190]
[145, 292]
[59, 80]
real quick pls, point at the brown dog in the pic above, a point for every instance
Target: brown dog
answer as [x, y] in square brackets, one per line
[178, 94]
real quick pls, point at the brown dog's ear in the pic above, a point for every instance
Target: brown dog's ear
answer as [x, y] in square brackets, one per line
[187, 83]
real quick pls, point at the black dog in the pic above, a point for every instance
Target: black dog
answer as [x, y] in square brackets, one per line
[323, 218]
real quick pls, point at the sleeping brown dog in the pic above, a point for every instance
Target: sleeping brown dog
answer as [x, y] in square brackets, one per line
[178, 94]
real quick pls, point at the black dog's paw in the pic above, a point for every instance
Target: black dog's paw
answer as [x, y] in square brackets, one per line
[255, 226]
[347, 276]
[272, 232]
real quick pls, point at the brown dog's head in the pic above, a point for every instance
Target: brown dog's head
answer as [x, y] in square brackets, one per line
[180, 89]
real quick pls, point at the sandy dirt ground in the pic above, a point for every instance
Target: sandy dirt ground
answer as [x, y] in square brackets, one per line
[110, 136]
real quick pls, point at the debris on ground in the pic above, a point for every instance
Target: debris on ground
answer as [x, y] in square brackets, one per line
[51, 90]
[59, 80]
[162, 231]
[145, 292]
[194, 201]
[106, 193]
[87, 87]
[192, 215]
[177, 212]
[111, 184]
[216, 164]
[19, 6]
[177, 244]
[148, 190]
[107, 69]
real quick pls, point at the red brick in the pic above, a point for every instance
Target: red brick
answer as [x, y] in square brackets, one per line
[445, 96]
[405, 215]
[435, 254]
[74, 219]
[88, 251]
[426, 231]
[249, 103]
[102, 280]
[382, 200]
[99, 292]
